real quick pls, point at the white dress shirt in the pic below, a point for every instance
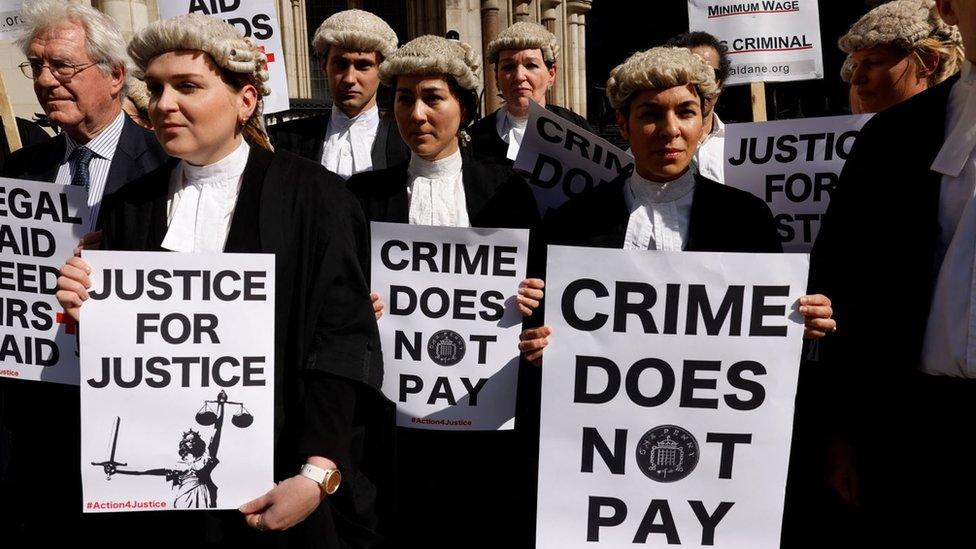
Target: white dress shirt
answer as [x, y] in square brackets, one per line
[348, 146]
[710, 156]
[103, 145]
[659, 213]
[949, 347]
[436, 192]
[511, 130]
[202, 202]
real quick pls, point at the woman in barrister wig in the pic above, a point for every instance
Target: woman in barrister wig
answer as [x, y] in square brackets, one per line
[226, 191]
[897, 50]
[524, 56]
[658, 95]
[452, 486]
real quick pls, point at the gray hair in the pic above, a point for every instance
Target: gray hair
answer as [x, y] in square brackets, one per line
[103, 41]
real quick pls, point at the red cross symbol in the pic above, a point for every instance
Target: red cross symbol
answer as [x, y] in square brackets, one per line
[270, 56]
[69, 323]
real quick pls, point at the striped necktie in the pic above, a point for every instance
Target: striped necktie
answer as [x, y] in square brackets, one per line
[81, 157]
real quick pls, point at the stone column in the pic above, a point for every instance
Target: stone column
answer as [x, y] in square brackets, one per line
[131, 15]
[579, 8]
[294, 43]
[489, 30]
[549, 22]
[570, 62]
[522, 11]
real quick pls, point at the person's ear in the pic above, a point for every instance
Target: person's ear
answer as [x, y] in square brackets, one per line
[947, 12]
[247, 102]
[623, 124]
[118, 79]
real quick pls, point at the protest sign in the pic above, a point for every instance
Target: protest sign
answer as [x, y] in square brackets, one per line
[255, 19]
[768, 40]
[11, 21]
[561, 159]
[40, 225]
[177, 381]
[667, 397]
[450, 332]
[794, 166]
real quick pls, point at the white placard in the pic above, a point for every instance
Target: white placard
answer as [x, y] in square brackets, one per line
[177, 390]
[667, 398]
[793, 165]
[451, 326]
[257, 19]
[561, 160]
[11, 22]
[768, 40]
[40, 225]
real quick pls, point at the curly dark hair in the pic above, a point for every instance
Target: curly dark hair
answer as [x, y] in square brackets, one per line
[697, 39]
[192, 444]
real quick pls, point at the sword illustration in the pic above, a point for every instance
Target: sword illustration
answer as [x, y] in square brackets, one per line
[110, 465]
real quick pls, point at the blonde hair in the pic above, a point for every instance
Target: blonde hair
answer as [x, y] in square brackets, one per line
[237, 59]
[658, 69]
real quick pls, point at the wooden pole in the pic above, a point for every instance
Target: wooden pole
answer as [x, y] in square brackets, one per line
[9, 121]
[758, 101]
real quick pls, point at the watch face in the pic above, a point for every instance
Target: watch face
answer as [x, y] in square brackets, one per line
[332, 482]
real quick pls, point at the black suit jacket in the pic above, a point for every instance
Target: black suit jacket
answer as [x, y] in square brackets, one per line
[495, 196]
[487, 145]
[305, 137]
[878, 240]
[137, 154]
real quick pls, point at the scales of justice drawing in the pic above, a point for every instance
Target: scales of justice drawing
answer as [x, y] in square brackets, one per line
[192, 476]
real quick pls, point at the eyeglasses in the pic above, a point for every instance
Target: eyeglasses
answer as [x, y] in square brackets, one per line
[64, 72]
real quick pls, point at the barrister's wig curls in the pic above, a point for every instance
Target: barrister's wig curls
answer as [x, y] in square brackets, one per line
[355, 30]
[239, 58]
[913, 26]
[434, 55]
[659, 69]
[525, 36]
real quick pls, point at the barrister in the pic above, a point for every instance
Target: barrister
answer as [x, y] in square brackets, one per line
[353, 137]
[883, 388]
[229, 192]
[436, 83]
[524, 58]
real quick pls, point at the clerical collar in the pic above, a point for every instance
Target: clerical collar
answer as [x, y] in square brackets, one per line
[646, 191]
[229, 167]
[449, 166]
[341, 121]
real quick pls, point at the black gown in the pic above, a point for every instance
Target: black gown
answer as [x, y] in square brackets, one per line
[459, 489]
[327, 398]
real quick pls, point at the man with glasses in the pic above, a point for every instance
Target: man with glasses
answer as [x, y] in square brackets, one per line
[76, 57]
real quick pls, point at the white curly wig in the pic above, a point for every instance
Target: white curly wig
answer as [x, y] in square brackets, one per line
[658, 69]
[430, 55]
[226, 47]
[903, 23]
[355, 30]
[525, 36]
